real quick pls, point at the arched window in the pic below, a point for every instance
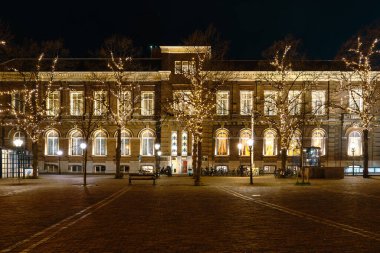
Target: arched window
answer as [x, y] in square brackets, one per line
[222, 142]
[354, 144]
[51, 145]
[270, 143]
[147, 143]
[100, 143]
[318, 139]
[125, 143]
[245, 135]
[75, 139]
[19, 136]
[295, 144]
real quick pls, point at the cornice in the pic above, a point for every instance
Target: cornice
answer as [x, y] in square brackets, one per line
[87, 76]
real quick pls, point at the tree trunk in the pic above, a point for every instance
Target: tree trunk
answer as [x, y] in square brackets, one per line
[283, 162]
[199, 164]
[365, 153]
[118, 154]
[194, 159]
[35, 159]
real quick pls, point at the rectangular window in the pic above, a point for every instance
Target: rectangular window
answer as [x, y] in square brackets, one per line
[53, 103]
[124, 104]
[177, 67]
[192, 67]
[318, 100]
[184, 143]
[100, 103]
[356, 100]
[18, 102]
[75, 168]
[174, 141]
[185, 67]
[246, 102]
[182, 101]
[100, 169]
[270, 107]
[294, 100]
[76, 103]
[222, 102]
[147, 103]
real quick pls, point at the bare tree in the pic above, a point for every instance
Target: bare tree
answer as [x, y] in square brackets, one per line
[122, 87]
[88, 122]
[29, 109]
[284, 97]
[195, 107]
[361, 85]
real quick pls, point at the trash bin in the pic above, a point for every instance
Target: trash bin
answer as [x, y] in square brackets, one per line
[190, 172]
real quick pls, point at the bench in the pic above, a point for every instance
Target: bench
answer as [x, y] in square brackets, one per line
[142, 177]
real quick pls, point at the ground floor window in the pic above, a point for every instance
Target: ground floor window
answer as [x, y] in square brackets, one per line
[99, 169]
[124, 168]
[51, 168]
[75, 168]
[269, 168]
[146, 169]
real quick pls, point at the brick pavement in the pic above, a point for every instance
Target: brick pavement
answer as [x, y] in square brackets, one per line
[224, 215]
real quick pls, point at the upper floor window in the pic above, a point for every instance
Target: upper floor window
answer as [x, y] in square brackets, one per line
[184, 67]
[318, 139]
[76, 103]
[100, 103]
[270, 143]
[18, 102]
[245, 135]
[124, 104]
[246, 102]
[356, 100]
[222, 102]
[100, 143]
[75, 139]
[181, 101]
[270, 98]
[354, 144]
[295, 100]
[51, 144]
[222, 142]
[53, 103]
[19, 136]
[147, 103]
[125, 143]
[147, 143]
[318, 100]
[295, 144]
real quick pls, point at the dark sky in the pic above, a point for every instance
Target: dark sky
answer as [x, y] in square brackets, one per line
[250, 26]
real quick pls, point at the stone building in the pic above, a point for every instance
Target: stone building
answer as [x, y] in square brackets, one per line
[336, 133]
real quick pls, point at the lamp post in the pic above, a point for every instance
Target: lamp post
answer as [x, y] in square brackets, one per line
[157, 147]
[250, 145]
[353, 160]
[240, 146]
[18, 143]
[83, 146]
[59, 153]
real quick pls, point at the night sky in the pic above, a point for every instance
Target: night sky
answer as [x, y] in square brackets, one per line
[250, 26]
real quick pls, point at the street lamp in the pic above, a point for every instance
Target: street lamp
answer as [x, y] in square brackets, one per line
[250, 146]
[59, 153]
[18, 143]
[353, 160]
[158, 153]
[83, 146]
[240, 147]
